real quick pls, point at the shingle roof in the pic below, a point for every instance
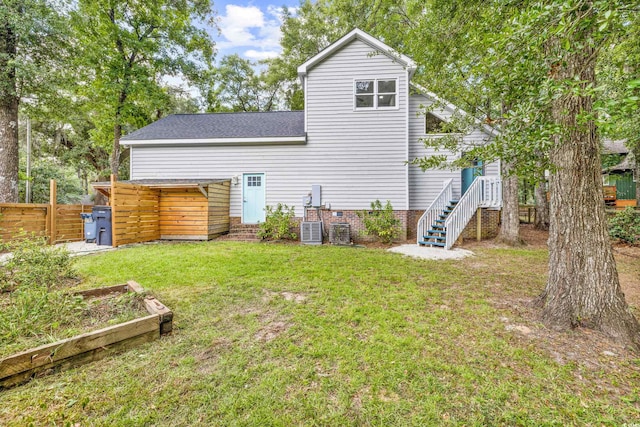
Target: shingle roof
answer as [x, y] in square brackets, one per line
[610, 146]
[271, 124]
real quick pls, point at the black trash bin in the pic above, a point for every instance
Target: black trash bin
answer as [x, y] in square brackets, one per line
[102, 217]
[89, 227]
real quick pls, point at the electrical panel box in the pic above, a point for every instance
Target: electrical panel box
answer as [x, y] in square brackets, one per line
[316, 198]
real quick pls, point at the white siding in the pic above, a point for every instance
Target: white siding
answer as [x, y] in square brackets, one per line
[357, 156]
[425, 186]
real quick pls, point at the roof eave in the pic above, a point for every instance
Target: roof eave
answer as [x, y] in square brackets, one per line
[286, 140]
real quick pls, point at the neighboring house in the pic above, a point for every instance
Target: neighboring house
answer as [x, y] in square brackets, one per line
[363, 121]
[619, 179]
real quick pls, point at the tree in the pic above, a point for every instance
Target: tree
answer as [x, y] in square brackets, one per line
[235, 86]
[583, 287]
[125, 48]
[29, 39]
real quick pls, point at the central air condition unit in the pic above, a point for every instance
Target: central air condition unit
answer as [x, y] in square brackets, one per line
[340, 233]
[311, 232]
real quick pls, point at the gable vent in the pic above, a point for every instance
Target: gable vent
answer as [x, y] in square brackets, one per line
[311, 232]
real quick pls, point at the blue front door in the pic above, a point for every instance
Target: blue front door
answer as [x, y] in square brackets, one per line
[253, 198]
[470, 174]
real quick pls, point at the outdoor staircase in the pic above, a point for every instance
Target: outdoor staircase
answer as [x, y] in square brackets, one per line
[242, 232]
[446, 218]
[436, 236]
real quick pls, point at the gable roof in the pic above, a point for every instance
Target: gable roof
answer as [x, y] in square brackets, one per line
[275, 127]
[357, 34]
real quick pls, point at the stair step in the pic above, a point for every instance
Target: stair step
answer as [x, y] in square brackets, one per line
[437, 244]
[436, 238]
[454, 202]
[440, 232]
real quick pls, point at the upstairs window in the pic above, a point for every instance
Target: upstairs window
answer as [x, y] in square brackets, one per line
[375, 94]
[434, 124]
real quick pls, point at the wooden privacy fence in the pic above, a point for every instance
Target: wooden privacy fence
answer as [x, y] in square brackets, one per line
[135, 213]
[59, 223]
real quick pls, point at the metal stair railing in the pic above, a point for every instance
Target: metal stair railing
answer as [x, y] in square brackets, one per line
[435, 208]
[484, 192]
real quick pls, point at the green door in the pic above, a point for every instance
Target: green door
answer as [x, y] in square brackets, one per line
[253, 198]
[625, 187]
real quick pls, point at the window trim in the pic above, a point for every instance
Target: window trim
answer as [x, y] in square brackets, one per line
[375, 94]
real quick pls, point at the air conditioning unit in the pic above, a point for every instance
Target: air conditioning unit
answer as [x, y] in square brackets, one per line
[340, 233]
[311, 232]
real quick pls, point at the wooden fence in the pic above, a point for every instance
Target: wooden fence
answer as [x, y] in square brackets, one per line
[135, 213]
[59, 223]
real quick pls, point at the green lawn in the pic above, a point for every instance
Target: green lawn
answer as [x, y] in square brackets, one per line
[286, 335]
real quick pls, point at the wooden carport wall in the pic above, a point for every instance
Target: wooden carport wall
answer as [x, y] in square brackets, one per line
[182, 211]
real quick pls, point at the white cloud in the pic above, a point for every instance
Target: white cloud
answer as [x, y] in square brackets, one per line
[250, 27]
[235, 25]
[258, 55]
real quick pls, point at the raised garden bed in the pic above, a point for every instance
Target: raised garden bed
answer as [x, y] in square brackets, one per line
[87, 347]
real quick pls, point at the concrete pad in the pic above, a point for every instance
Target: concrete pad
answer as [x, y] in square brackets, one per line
[74, 248]
[427, 252]
[84, 248]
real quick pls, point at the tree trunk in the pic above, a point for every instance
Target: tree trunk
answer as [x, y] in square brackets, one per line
[8, 116]
[583, 287]
[115, 154]
[510, 225]
[542, 206]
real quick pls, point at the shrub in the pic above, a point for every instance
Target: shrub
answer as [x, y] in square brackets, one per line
[625, 226]
[380, 222]
[34, 300]
[278, 223]
[34, 263]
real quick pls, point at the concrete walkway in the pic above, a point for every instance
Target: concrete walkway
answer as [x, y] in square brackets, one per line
[425, 252]
[74, 248]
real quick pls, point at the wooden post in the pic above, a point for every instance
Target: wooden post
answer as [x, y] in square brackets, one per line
[53, 210]
[112, 202]
[479, 224]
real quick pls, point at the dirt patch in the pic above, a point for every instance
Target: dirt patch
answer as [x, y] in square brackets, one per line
[296, 297]
[208, 358]
[585, 347]
[271, 331]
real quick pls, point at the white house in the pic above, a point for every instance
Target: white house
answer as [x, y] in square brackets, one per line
[363, 121]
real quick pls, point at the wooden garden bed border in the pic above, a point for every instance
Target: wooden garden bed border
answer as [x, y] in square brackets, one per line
[91, 346]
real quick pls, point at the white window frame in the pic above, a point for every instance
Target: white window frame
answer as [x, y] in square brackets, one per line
[375, 94]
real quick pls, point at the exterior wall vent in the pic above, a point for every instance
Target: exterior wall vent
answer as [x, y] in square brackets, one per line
[311, 232]
[340, 233]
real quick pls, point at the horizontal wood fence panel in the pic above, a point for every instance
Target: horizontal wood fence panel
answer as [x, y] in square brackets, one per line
[135, 213]
[18, 219]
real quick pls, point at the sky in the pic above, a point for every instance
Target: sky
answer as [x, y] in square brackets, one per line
[250, 28]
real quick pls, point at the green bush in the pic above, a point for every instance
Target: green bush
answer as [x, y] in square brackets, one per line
[33, 301]
[34, 263]
[278, 223]
[625, 226]
[381, 222]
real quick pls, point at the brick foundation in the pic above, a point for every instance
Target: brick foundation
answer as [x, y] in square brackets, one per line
[357, 226]
[408, 223]
[490, 225]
